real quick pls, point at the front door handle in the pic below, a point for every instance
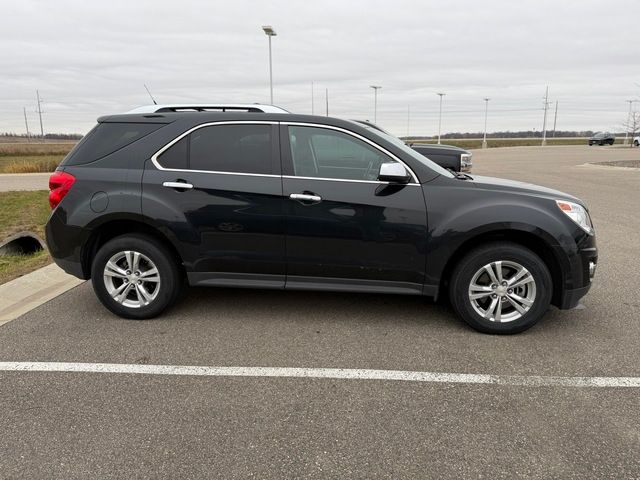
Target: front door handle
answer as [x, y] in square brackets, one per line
[178, 185]
[305, 197]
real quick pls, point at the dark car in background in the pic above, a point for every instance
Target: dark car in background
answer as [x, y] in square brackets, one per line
[145, 203]
[447, 156]
[602, 138]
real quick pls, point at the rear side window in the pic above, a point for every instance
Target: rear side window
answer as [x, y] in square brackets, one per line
[223, 148]
[106, 138]
[176, 156]
[231, 148]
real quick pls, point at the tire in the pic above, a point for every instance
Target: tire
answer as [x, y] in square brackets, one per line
[158, 291]
[512, 320]
[636, 143]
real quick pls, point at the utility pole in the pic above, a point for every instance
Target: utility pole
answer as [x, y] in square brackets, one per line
[486, 111]
[326, 97]
[440, 116]
[26, 123]
[40, 114]
[626, 133]
[312, 112]
[544, 122]
[375, 102]
[408, 120]
[555, 120]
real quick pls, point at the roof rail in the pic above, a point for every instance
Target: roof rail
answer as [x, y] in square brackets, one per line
[210, 107]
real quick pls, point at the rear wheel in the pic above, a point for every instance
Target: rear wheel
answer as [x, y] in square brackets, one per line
[636, 143]
[135, 277]
[501, 288]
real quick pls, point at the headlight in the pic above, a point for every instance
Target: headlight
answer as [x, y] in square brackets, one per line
[577, 213]
[465, 162]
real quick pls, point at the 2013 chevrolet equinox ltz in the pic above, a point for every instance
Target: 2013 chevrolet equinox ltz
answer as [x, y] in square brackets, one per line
[277, 200]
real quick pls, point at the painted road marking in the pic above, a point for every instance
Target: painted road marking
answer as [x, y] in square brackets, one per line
[331, 373]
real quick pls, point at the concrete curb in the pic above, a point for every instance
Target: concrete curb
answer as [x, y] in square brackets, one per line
[25, 293]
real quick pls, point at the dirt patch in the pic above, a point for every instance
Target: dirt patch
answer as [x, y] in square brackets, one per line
[621, 163]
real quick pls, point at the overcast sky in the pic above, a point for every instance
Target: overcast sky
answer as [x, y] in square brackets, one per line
[91, 58]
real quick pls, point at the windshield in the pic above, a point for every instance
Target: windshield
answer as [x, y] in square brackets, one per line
[410, 151]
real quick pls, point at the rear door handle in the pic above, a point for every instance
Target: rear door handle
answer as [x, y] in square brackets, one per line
[179, 185]
[305, 197]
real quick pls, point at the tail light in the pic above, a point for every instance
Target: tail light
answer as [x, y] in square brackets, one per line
[59, 185]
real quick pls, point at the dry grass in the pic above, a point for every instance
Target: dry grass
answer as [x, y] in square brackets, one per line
[30, 164]
[505, 142]
[32, 149]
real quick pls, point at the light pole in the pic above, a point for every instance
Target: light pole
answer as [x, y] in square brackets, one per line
[486, 111]
[626, 133]
[270, 32]
[375, 102]
[440, 116]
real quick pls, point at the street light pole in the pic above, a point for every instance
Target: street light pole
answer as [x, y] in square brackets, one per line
[440, 116]
[375, 102]
[270, 32]
[486, 111]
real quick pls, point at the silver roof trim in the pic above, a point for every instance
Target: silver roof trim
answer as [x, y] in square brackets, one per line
[156, 108]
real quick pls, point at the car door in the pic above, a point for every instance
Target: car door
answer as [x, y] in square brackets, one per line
[216, 191]
[345, 229]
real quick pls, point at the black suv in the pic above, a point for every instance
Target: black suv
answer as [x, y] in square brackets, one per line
[602, 138]
[272, 200]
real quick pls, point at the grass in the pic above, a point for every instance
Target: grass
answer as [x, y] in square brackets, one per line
[22, 211]
[14, 266]
[29, 164]
[35, 148]
[505, 142]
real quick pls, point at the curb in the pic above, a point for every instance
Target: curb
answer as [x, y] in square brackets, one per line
[25, 293]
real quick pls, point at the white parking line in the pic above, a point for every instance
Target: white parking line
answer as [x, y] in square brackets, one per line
[332, 373]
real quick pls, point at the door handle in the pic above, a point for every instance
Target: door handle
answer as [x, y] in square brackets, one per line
[179, 185]
[305, 197]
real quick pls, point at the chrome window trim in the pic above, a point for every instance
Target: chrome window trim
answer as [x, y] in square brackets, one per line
[414, 178]
[377, 182]
[154, 157]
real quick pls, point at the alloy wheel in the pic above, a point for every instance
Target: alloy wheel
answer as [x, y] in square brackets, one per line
[131, 279]
[502, 291]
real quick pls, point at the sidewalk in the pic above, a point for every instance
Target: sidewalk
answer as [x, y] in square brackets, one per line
[24, 181]
[25, 293]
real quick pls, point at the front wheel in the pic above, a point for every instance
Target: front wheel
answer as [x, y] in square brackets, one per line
[501, 288]
[135, 276]
[636, 143]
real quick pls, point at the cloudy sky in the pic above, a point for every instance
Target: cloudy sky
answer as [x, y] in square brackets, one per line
[91, 58]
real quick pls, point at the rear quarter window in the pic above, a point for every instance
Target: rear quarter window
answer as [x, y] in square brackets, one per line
[106, 138]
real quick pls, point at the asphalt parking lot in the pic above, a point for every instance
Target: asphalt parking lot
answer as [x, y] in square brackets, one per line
[125, 425]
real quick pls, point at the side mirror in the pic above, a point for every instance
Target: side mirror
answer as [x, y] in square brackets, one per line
[393, 172]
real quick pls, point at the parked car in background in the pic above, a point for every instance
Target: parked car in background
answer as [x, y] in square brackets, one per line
[602, 138]
[147, 202]
[447, 156]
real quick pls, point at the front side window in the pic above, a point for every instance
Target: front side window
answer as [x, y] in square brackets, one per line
[222, 148]
[323, 153]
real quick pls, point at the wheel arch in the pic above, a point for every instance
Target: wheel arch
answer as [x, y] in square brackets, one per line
[527, 239]
[110, 228]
